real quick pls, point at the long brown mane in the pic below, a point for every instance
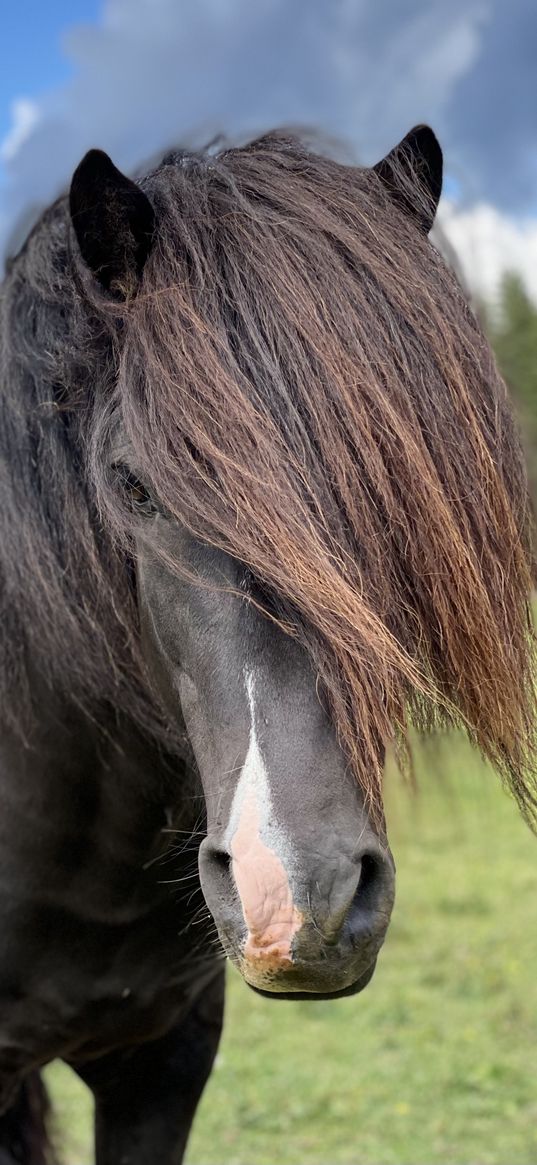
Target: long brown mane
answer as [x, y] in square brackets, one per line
[305, 386]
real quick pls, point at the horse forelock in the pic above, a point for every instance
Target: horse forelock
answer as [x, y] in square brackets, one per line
[303, 384]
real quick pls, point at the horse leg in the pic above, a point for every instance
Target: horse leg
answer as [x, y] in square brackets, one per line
[145, 1098]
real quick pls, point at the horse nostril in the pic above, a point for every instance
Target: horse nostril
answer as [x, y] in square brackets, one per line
[215, 873]
[221, 860]
[370, 874]
[215, 862]
[357, 902]
[374, 895]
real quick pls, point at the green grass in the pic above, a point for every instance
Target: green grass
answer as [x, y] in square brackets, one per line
[436, 1062]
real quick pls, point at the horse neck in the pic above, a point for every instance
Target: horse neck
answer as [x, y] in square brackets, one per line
[110, 782]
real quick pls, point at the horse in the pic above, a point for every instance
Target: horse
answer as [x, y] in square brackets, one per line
[264, 510]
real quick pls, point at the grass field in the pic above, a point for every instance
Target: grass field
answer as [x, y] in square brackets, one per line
[436, 1063]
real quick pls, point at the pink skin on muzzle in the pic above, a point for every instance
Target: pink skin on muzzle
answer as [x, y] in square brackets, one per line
[266, 897]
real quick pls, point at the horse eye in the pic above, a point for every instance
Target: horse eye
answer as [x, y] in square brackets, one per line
[138, 495]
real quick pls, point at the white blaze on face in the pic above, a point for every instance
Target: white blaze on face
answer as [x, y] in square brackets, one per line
[262, 859]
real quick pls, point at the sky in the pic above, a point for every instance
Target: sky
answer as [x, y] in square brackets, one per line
[137, 76]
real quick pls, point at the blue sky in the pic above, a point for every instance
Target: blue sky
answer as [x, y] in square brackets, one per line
[136, 76]
[32, 57]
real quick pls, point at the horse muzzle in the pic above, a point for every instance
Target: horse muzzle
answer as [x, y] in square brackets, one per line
[303, 934]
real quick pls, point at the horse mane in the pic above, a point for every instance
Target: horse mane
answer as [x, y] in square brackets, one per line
[303, 385]
[67, 613]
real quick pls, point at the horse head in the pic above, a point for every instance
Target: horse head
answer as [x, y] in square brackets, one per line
[277, 443]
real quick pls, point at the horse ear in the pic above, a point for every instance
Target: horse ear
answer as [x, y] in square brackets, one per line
[113, 221]
[412, 172]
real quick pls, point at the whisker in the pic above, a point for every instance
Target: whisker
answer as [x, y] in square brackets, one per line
[177, 881]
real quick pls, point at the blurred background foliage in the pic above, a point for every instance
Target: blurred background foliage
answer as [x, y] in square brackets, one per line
[512, 327]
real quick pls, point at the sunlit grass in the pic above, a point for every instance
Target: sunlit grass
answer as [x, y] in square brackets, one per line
[436, 1063]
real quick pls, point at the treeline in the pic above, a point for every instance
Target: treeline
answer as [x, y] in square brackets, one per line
[513, 332]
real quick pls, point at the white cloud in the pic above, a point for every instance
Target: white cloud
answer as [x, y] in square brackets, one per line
[156, 73]
[25, 115]
[153, 73]
[488, 243]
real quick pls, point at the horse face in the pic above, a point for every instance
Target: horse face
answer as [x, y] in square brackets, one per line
[298, 882]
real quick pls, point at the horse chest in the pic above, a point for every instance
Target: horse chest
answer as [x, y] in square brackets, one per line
[97, 950]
